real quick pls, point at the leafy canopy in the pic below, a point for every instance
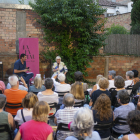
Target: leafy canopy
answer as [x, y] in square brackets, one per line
[72, 25]
[117, 29]
[135, 17]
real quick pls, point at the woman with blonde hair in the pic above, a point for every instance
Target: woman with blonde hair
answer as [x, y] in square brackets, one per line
[103, 84]
[103, 114]
[37, 128]
[37, 87]
[95, 87]
[25, 114]
[77, 91]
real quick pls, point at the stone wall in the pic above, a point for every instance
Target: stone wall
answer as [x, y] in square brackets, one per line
[122, 19]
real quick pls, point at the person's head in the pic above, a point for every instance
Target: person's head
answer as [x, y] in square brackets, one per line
[129, 75]
[133, 120]
[78, 76]
[48, 83]
[23, 57]
[68, 100]
[40, 111]
[123, 97]
[2, 101]
[13, 80]
[103, 107]
[111, 74]
[61, 77]
[136, 73]
[98, 78]
[29, 100]
[58, 59]
[103, 83]
[38, 82]
[77, 90]
[119, 82]
[83, 122]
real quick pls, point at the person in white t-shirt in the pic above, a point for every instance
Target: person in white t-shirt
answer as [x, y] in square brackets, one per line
[28, 103]
[111, 76]
[129, 77]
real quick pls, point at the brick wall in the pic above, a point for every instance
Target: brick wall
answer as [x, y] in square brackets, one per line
[123, 20]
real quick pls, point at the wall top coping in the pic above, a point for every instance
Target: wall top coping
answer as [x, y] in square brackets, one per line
[14, 6]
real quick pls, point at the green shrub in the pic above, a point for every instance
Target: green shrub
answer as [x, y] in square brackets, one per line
[72, 25]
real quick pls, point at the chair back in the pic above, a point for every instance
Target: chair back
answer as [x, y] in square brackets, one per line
[104, 126]
[13, 106]
[79, 104]
[120, 121]
[61, 94]
[5, 128]
[111, 89]
[129, 89]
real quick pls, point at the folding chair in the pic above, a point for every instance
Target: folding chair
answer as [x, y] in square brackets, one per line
[13, 106]
[79, 104]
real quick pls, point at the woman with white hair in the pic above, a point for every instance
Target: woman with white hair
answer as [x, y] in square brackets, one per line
[37, 87]
[129, 77]
[59, 66]
[83, 126]
[61, 87]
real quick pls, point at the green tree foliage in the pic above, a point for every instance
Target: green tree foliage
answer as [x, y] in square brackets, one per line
[73, 26]
[117, 29]
[135, 17]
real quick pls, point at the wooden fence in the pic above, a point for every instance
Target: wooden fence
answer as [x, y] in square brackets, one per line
[122, 44]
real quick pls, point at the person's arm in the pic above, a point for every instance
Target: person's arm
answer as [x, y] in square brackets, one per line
[125, 137]
[65, 68]
[54, 70]
[18, 136]
[11, 121]
[24, 83]
[55, 120]
[50, 137]
[19, 71]
[55, 82]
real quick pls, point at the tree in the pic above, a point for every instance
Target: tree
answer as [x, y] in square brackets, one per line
[117, 29]
[135, 17]
[73, 26]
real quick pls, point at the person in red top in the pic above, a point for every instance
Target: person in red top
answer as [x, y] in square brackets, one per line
[37, 128]
[14, 94]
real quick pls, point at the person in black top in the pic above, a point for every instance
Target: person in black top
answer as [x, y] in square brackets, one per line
[103, 114]
[119, 84]
[103, 84]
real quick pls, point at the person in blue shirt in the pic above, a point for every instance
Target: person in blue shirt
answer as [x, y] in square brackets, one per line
[20, 69]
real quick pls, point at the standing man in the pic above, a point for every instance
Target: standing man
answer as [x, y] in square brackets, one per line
[59, 67]
[20, 69]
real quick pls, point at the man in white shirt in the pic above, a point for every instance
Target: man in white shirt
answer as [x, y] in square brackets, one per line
[111, 76]
[65, 115]
[129, 77]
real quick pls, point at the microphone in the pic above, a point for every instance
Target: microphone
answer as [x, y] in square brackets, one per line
[58, 65]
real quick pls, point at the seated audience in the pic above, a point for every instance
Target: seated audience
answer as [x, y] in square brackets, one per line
[103, 84]
[136, 78]
[79, 78]
[119, 84]
[77, 91]
[133, 120]
[5, 118]
[14, 94]
[111, 76]
[28, 103]
[122, 111]
[21, 87]
[37, 87]
[103, 114]
[83, 126]
[37, 128]
[129, 77]
[95, 87]
[2, 86]
[65, 115]
[48, 95]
